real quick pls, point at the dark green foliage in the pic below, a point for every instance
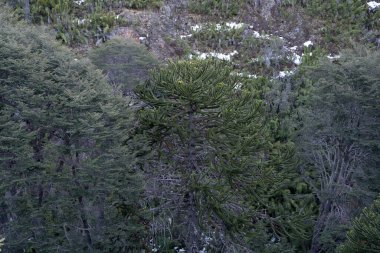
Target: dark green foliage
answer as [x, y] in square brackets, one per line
[339, 140]
[67, 182]
[218, 37]
[364, 236]
[124, 62]
[223, 8]
[80, 22]
[213, 159]
[342, 22]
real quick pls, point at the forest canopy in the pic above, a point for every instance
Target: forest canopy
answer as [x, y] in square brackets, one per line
[129, 143]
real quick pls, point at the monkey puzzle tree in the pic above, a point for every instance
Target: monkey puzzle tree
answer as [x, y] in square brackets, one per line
[212, 157]
[364, 235]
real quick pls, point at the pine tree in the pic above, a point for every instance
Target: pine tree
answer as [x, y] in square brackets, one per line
[68, 181]
[364, 235]
[339, 141]
[212, 156]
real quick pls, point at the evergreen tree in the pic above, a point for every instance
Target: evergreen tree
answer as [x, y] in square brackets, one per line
[68, 182]
[213, 159]
[339, 141]
[364, 235]
[125, 63]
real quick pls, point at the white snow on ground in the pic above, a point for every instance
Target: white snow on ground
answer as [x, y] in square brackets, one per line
[185, 36]
[79, 2]
[203, 250]
[373, 5]
[285, 73]
[81, 21]
[333, 57]
[220, 56]
[245, 75]
[257, 35]
[238, 86]
[308, 43]
[233, 25]
[293, 48]
[296, 59]
[196, 28]
[228, 25]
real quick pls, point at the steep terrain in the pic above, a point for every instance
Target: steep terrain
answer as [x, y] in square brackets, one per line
[189, 126]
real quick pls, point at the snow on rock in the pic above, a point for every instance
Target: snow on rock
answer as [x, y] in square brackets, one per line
[196, 28]
[185, 36]
[238, 86]
[220, 56]
[81, 21]
[373, 5]
[285, 73]
[308, 43]
[233, 25]
[203, 250]
[257, 35]
[297, 59]
[228, 26]
[333, 57]
[293, 48]
[245, 75]
[79, 2]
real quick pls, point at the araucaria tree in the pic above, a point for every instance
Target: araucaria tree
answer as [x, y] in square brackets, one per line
[212, 157]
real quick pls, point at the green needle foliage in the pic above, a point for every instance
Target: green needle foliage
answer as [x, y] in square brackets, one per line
[364, 236]
[125, 62]
[212, 157]
[67, 181]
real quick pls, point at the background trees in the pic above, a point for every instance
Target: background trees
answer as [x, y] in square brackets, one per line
[339, 140]
[125, 63]
[67, 181]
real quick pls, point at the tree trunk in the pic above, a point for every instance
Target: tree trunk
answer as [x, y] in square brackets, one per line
[324, 211]
[27, 11]
[192, 243]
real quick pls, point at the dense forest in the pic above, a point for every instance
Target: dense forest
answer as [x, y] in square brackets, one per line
[190, 126]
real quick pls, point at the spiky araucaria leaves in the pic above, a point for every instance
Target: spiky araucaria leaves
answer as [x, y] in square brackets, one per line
[364, 235]
[214, 163]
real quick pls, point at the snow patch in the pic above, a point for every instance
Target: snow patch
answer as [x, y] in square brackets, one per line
[196, 28]
[333, 57]
[373, 5]
[203, 250]
[308, 43]
[245, 75]
[81, 21]
[297, 59]
[285, 73]
[293, 48]
[229, 26]
[185, 36]
[233, 25]
[220, 56]
[79, 2]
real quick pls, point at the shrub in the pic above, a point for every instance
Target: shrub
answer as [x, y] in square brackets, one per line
[125, 62]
